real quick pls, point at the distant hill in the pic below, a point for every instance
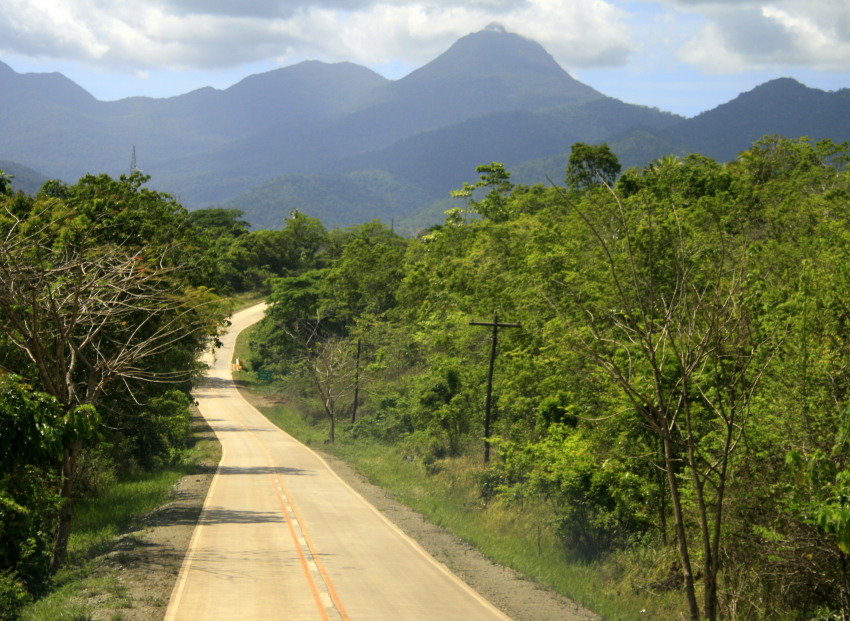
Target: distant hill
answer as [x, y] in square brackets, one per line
[25, 179]
[344, 144]
[782, 106]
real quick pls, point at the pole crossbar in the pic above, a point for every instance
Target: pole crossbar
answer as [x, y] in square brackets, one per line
[495, 324]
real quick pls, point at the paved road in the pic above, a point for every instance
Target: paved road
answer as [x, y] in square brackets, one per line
[282, 537]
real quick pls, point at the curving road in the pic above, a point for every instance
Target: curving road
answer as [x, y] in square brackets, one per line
[282, 537]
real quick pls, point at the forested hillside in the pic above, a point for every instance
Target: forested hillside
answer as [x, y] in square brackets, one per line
[671, 380]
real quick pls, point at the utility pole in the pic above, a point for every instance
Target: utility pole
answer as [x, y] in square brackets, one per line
[356, 384]
[495, 339]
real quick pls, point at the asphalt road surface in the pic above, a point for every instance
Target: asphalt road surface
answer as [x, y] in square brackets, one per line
[282, 537]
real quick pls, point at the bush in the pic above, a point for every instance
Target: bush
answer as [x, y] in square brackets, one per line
[13, 596]
[596, 513]
[28, 510]
[162, 430]
[599, 507]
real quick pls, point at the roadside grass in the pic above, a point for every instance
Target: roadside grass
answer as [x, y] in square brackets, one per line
[85, 583]
[97, 522]
[446, 492]
[519, 535]
[244, 300]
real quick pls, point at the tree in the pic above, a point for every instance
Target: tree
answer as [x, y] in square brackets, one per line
[95, 298]
[32, 430]
[331, 367]
[591, 165]
[5, 183]
[496, 180]
[364, 278]
[672, 325]
[219, 221]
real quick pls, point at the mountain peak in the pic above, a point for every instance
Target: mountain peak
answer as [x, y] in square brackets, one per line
[494, 50]
[42, 86]
[507, 59]
[496, 27]
[779, 85]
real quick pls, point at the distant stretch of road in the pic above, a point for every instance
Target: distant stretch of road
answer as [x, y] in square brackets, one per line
[282, 537]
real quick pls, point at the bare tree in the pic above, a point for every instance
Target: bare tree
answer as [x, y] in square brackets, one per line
[90, 316]
[333, 372]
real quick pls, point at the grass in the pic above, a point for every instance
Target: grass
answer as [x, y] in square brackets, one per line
[99, 521]
[84, 584]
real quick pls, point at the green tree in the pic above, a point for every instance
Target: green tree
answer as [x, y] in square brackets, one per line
[672, 325]
[32, 435]
[219, 221]
[5, 183]
[496, 180]
[247, 260]
[592, 165]
[364, 278]
[96, 300]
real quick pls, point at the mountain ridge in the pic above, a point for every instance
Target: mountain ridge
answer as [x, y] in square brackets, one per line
[491, 96]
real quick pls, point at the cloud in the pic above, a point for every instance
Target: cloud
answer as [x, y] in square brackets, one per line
[745, 35]
[718, 36]
[208, 34]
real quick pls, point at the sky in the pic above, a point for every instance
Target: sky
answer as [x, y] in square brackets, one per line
[683, 56]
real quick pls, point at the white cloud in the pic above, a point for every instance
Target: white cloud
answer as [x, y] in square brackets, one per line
[206, 34]
[718, 36]
[747, 35]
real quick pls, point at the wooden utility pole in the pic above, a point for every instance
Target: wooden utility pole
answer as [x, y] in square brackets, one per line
[495, 339]
[356, 384]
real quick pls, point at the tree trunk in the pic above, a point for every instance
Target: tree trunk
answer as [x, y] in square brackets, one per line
[681, 536]
[66, 512]
[845, 593]
[709, 560]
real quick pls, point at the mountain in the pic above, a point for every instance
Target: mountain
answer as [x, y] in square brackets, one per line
[483, 73]
[782, 106]
[342, 143]
[24, 179]
[49, 123]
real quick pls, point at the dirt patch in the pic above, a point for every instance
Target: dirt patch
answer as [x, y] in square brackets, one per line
[146, 561]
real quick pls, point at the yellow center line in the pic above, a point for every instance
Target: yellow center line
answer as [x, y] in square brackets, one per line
[296, 523]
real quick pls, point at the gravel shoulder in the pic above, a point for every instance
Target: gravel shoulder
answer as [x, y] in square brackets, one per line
[144, 565]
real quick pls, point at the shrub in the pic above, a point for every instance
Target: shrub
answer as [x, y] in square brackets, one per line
[13, 595]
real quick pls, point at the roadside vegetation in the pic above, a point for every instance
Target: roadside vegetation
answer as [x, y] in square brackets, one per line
[670, 416]
[86, 583]
[105, 307]
[667, 431]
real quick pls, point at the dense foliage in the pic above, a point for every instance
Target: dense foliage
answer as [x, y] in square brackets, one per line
[680, 380]
[104, 313]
